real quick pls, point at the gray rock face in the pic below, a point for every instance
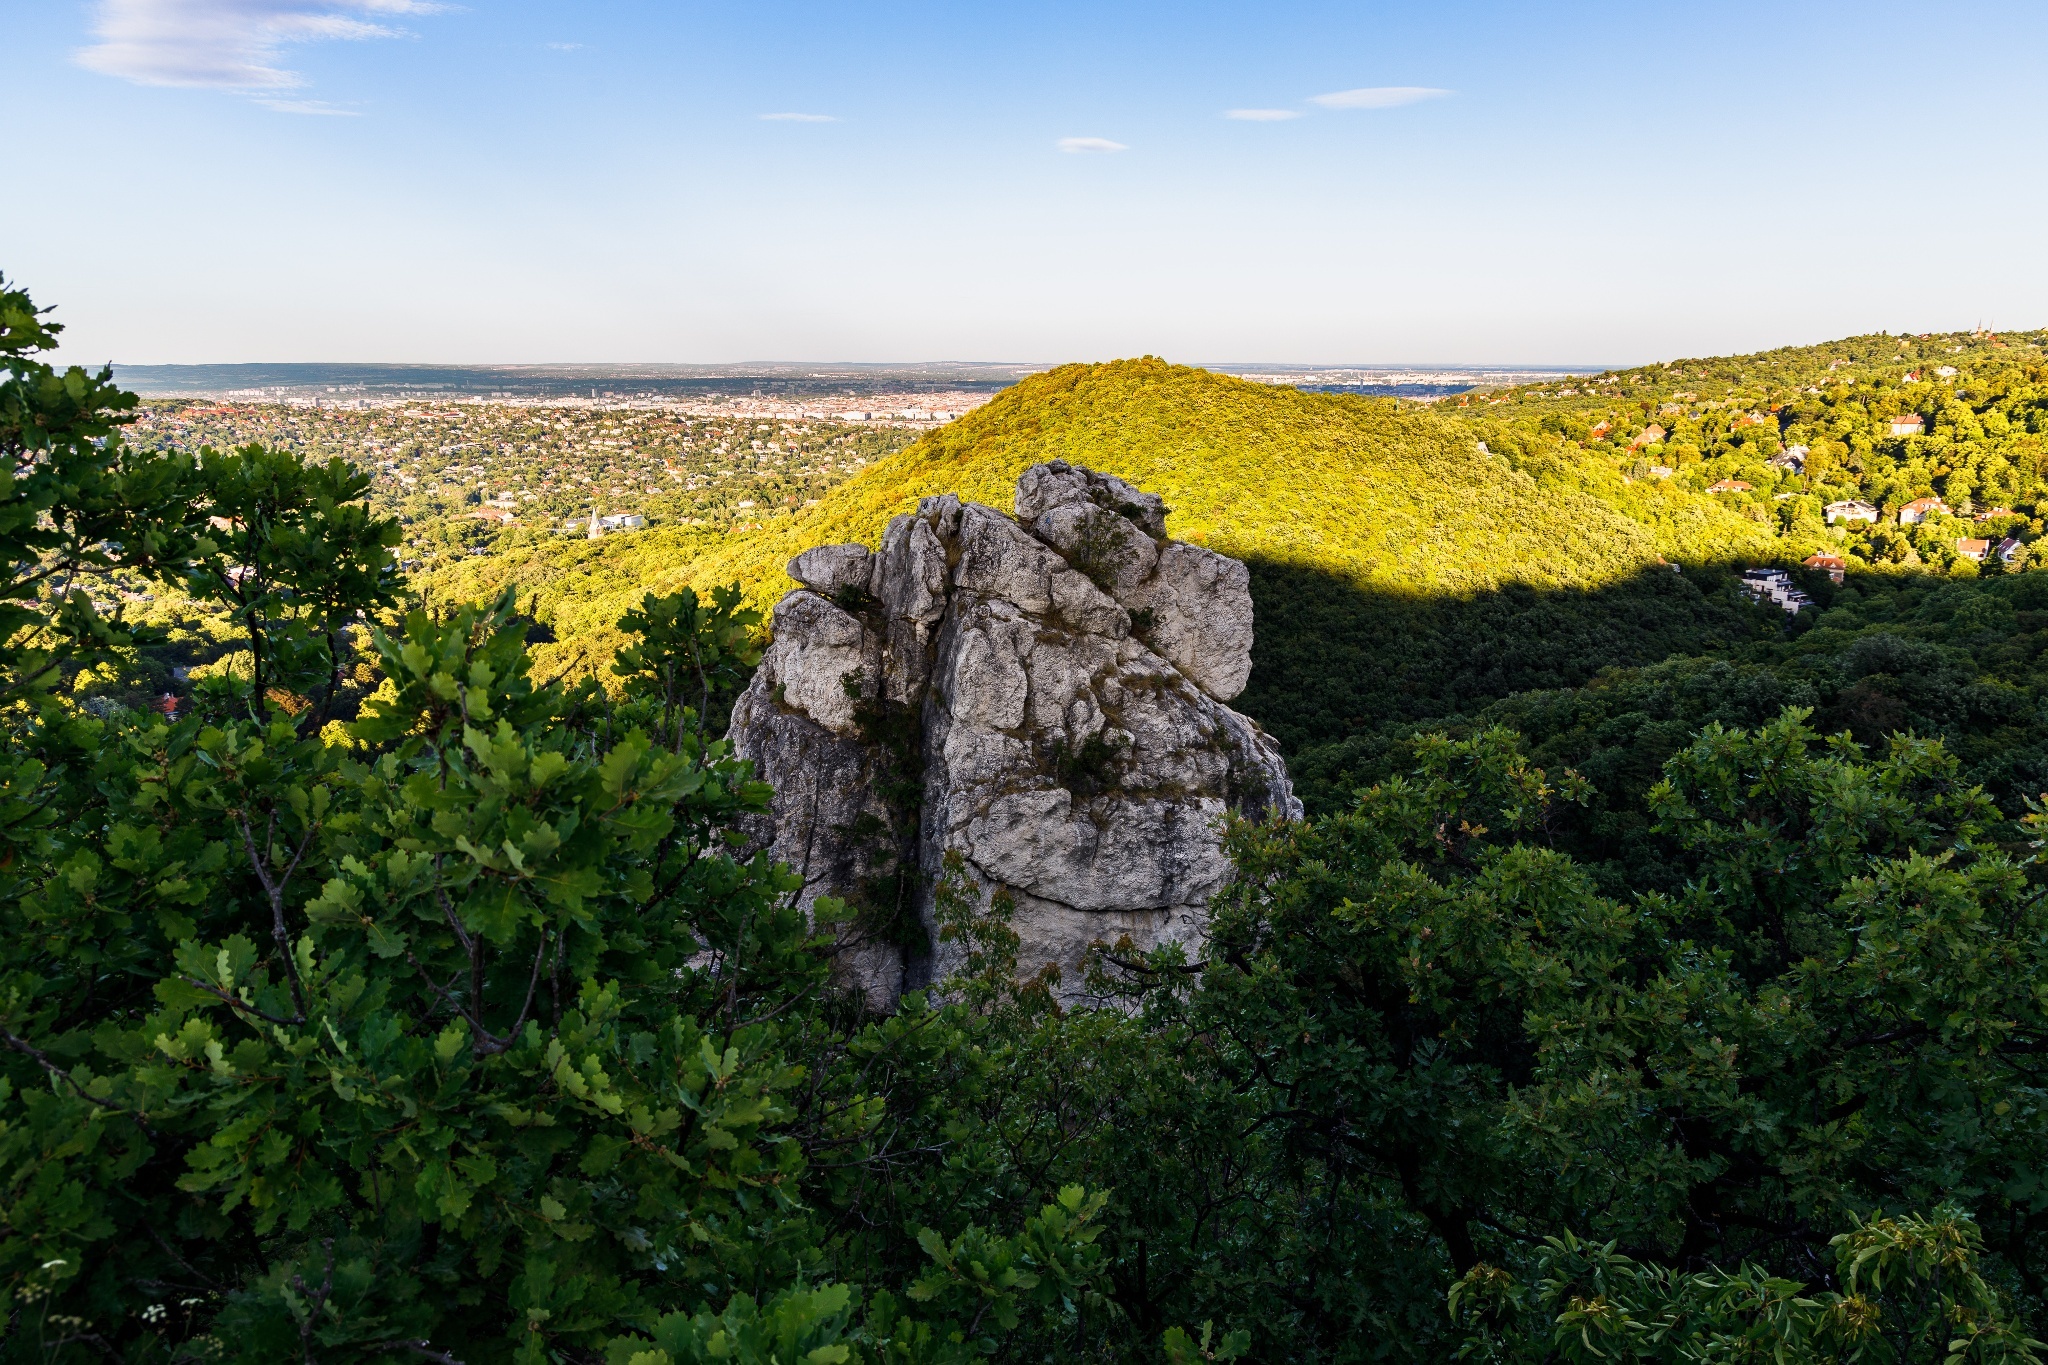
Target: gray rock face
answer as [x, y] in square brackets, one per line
[832, 569]
[1050, 690]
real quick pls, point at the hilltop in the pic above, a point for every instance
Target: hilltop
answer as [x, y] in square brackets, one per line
[1405, 564]
[1369, 491]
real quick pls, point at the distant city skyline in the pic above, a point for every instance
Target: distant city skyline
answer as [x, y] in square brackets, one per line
[504, 181]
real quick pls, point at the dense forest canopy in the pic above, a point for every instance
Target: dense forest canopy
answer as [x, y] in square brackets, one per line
[1661, 983]
[1962, 418]
[1915, 637]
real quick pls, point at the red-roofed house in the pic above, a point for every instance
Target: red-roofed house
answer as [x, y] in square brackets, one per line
[1835, 565]
[1729, 486]
[1972, 549]
[1910, 425]
[1920, 509]
[496, 514]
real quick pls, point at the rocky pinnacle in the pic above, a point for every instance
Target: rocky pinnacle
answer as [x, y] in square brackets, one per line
[1043, 693]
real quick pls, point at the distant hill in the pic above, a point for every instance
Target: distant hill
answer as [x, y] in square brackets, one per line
[1406, 563]
[1399, 499]
[1407, 580]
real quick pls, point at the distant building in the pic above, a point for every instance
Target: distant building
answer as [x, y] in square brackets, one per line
[1920, 509]
[1775, 585]
[1648, 436]
[1793, 459]
[623, 521]
[1912, 424]
[1833, 565]
[1600, 429]
[1853, 510]
[1729, 486]
[493, 514]
[1661, 471]
[2008, 548]
[1972, 549]
[1993, 513]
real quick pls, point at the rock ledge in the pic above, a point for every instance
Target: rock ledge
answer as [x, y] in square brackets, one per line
[1043, 693]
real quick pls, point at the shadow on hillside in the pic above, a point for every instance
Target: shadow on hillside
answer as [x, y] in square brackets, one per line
[1346, 679]
[1332, 659]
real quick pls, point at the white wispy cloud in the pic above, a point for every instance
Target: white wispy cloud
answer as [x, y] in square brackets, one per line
[566, 47]
[227, 44]
[1377, 97]
[1262, 115]
[800, 118]
[1090, 144]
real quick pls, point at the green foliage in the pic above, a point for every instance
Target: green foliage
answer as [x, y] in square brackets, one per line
[1462, 1045]
[460, 1030]
[73, 499]
[431, 1052]
[1088, 767]
[1183, 1350]
[687, 648]
[1341, 675]
[1910, 1289]
[1947, 659]
[297, 559]
[1805, 426]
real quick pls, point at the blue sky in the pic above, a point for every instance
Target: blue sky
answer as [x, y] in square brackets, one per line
[498, 180]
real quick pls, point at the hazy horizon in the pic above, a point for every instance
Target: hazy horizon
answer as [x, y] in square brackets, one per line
[839, 383]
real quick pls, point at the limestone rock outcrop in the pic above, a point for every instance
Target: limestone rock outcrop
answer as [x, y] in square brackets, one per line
[1044, 694]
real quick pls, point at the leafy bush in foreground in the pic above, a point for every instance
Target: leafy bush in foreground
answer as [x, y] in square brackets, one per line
[459, 1030]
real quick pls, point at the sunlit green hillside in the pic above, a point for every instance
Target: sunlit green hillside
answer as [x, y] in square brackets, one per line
[1382, 539]
[1400, 500]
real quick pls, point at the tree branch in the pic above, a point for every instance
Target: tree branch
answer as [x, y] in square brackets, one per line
[41, 1058]
[240, 1004]
[424, 1349]
[273, 889]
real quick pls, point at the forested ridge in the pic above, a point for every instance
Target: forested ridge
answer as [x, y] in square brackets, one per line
[1917, 636]
[1660, 981]
[1959, 417]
